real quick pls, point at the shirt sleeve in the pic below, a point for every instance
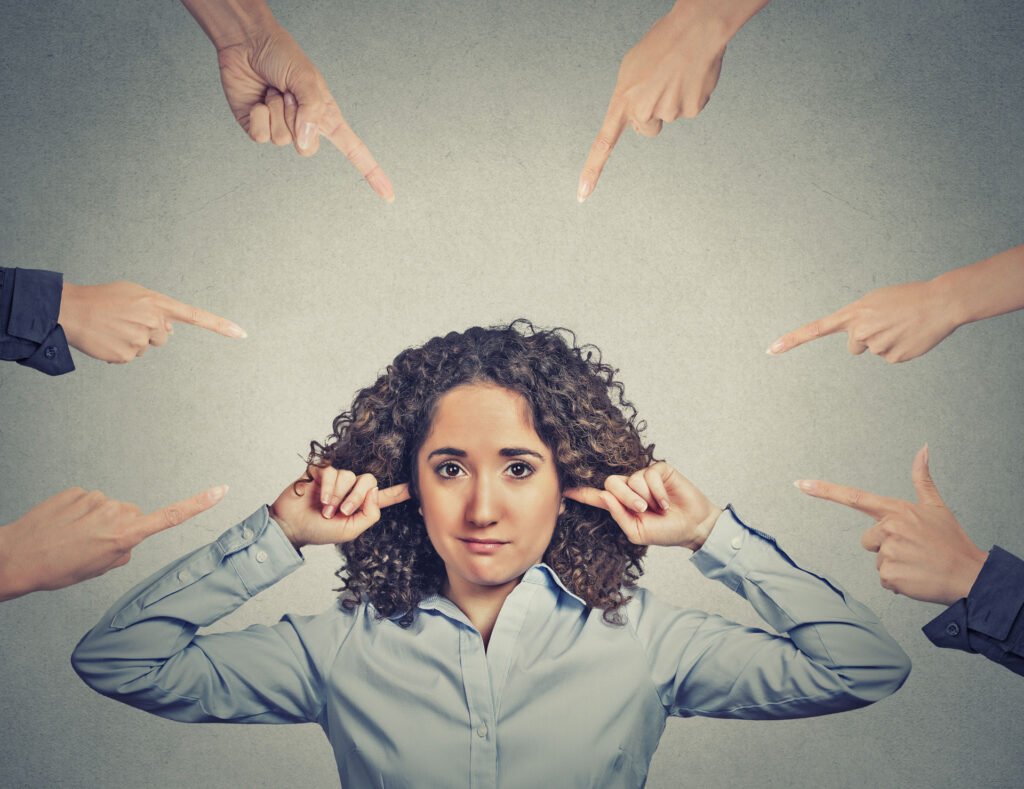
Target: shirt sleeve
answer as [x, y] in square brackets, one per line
[145, 651]
[830, 652]
[29, 309]
[990, 620]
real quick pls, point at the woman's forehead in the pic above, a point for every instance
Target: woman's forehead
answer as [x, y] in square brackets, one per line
[482, 414]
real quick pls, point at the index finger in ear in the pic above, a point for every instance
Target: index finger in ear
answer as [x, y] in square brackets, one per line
[175, 514]
[611, 130]
[868, 503]
[396, 494]
[185, 313]
[814, 330]
[584, 495]
[337, 130]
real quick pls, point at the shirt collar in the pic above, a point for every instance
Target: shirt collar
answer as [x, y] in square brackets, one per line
[539, 575]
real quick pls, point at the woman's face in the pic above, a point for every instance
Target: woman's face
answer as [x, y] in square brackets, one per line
[488, 488]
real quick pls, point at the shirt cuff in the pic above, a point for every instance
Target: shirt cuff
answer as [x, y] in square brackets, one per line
[53, 356]
[36, 305]
[991, 608]
[723, 546]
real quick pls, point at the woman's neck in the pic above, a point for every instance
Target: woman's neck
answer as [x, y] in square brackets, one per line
[480, 604]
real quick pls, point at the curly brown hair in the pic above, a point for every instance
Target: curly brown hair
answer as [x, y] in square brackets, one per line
[578, 411]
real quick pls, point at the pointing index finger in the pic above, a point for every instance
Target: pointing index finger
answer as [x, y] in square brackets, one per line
[185, 313]
[611, 130]
[337, 130]
[868, 503]
[178, 513]
[814, 330]
[396, 494]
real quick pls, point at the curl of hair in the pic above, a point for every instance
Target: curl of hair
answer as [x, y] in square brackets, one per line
[579, 412]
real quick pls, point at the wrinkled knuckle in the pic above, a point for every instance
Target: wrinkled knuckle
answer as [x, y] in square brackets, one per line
[173, 516]
[602, 145]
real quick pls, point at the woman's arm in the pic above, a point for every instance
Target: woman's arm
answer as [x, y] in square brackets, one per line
[831, 653]
[145, 651]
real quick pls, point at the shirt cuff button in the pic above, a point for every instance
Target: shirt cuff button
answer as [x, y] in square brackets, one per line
[952, 629]
[50, 352]
[261, 556]
[246, 533]
[737, 543]
[184, 577]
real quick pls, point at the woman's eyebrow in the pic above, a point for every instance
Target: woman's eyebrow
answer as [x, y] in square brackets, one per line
[459, 453]
[511, 452]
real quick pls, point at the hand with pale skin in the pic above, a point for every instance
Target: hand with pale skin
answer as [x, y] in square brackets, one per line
[922, 550]
[336, 507]
[902, 322]
[274, 91]
[117, 322]
[77, 535]
[669, 74]
[654, 506]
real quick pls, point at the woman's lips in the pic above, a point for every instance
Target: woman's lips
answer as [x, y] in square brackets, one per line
[482, 546]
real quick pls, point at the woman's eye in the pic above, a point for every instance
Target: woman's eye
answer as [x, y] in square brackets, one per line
[449, 470]
[520, 470]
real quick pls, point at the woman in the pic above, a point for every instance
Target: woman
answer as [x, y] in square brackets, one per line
[490, 631]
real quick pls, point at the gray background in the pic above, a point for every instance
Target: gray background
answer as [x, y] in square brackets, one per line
[848, 146]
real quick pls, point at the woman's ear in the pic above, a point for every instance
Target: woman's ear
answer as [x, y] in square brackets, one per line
[561, 506]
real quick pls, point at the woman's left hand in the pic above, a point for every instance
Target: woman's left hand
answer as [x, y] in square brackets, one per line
[654, 506]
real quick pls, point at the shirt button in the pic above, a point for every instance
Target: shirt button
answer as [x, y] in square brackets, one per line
[952, 629]
[184, 577]
[481, 730]
[737, 543]
[246, 533]
[261, 556]
[50, 352]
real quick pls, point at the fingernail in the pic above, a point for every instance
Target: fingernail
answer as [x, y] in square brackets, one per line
[776, 347]
[640, 505]
[289, 99]
[927, 454]
[327, 512]
[804, 485]
[664, 505]
[306, 134]
[237, 331]
[218, 492]
[584, 191]
[347, 508]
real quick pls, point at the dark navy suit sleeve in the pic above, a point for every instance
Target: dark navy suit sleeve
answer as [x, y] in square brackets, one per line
[990, 620]
[29, 332]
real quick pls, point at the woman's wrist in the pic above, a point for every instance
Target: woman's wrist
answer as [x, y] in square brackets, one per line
[286, 529]
[730, 15]
[702, 531]
[228, 23]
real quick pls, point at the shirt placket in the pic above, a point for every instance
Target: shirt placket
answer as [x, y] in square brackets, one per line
[483, 750]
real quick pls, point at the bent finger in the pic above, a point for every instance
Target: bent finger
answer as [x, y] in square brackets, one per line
[814, 330]
[868, 503]
[356, 498]
[175, 514]
[611, 130]
[259, 123]
[279, 133]
[618, 487]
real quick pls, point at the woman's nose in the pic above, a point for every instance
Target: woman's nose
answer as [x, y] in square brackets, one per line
[483, 505]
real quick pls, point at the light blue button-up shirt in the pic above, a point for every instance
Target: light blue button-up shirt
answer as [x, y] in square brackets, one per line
[558, 698]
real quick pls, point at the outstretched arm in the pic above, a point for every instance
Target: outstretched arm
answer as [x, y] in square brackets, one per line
[902, 322]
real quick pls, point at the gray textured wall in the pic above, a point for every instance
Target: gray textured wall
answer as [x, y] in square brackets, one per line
[848, 146]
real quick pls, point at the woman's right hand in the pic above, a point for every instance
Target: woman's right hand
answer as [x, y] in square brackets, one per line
[337, 506]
